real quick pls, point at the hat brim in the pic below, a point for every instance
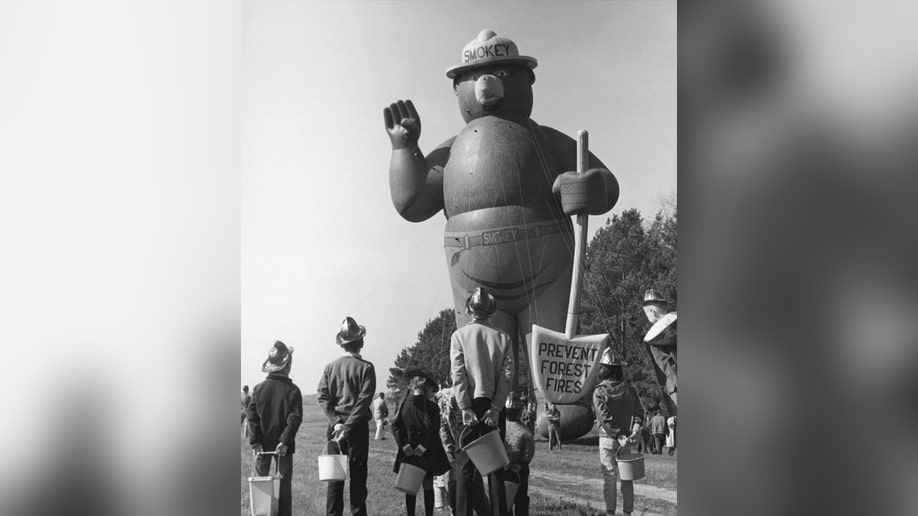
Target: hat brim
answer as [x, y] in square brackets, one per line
[530, 62]
[481, 314]
[411, 373]
[343, 338]
[268, 367]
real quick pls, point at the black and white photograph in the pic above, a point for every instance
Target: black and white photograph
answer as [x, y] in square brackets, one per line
[404, 163]
[438, 250]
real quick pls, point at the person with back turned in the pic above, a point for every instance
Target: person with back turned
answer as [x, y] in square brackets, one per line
[482, 367]
[346, 391]
[273, 416]
[618, 415]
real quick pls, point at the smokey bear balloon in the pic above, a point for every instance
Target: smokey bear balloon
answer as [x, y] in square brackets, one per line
[507, 186]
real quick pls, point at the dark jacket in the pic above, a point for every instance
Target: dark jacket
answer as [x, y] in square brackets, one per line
[618, 406]
[346, 390]
[417, 422]
[274, 413]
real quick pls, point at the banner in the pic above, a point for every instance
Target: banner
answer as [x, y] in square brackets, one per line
[564, 369]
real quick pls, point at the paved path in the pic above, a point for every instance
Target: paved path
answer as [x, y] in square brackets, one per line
[593, 494]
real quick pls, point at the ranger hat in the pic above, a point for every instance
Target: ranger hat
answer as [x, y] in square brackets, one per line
[654, 296]
[350, 331]
[278, 358]
[488, 49]
[480, 304]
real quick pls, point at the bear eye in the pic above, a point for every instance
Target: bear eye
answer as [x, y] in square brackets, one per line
[503, 73]
[474, 76]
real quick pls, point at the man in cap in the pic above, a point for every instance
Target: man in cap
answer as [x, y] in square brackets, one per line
[482, 368]
[274, 414]
[346, 391]
[660, 343]
[618, 415]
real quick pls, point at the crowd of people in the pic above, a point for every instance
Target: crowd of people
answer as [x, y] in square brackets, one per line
[431, 426]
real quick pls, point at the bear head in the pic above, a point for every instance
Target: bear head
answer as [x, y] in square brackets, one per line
[493, 79]
[504, 91]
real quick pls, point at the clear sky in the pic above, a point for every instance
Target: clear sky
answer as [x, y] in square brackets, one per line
[320, 237]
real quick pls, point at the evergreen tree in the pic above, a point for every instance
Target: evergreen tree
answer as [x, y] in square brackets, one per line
[430, 353]
[625, 258]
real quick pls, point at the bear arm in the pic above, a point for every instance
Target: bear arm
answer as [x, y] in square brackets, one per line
[416, 182]
[566, 149]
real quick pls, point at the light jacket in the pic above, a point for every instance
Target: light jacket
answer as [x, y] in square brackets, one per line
[482, 364]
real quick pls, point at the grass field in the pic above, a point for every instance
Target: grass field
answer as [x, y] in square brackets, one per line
[562, 483]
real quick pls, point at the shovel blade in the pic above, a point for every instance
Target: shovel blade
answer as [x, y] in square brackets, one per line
[565, 368]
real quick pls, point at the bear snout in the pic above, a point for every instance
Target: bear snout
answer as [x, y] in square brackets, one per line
[489, 90]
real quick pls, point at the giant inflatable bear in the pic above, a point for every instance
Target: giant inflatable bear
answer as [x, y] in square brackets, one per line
[507, 187]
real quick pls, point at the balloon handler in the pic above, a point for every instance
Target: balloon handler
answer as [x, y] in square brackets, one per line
[507, 187]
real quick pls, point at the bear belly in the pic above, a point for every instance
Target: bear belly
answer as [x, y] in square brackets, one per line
[495, 163]
[515, 257]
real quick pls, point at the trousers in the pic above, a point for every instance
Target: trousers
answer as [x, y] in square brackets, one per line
[357, 448]
[609, 467]
[285, 468]
[468, 476]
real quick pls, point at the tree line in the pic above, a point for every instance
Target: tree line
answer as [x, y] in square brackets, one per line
[626, 256]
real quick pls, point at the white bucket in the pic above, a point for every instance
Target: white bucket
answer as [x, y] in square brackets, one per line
[410, 477]
[511, 488]
[263, 495]
[332, 466]
[487, 452]
[630, 467]
[264, 491]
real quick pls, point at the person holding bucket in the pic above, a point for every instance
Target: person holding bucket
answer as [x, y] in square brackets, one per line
[273, 416]
[416, 430]
[482, 368]
[450, 431]
[346, 391]
[618, 415]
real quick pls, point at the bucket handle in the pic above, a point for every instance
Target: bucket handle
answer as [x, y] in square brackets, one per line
[337, 445]
[466, 428]
[276, 462]
[618, 452]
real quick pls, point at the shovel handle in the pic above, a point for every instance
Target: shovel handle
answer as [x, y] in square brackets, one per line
[580, 235]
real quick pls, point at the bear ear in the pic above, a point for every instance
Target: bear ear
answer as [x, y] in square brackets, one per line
[456, 86]
[531, 76]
